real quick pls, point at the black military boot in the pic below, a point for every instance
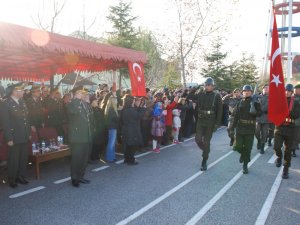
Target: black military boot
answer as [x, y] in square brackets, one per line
[269, 142]
[203, 165]
[245, 168]
[285, 172]
[278, 162]
[258, 144]
[231, 141]
[294, 153]
[241, 159]
[262, 149]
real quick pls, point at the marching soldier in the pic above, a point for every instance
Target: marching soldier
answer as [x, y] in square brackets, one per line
[285, 132]
[244, 122]
[297, 122]
[80, 135]
[231, 100]
[262, 123]
[16, 127]
[209, 117]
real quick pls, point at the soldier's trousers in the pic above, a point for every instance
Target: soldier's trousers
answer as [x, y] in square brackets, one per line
[79, 159]
[202, 138]
[279, 140]
[296, 139]
[230, 131]
[271, 130]
[17, 161]
[243, 144]
[261, 132]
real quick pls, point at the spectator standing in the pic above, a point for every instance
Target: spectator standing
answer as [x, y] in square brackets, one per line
[176, 125]
[157, 126]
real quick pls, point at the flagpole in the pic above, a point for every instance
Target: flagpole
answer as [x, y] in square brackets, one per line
[289, 59]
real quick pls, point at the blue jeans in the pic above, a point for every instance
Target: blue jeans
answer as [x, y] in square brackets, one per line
[111, 145]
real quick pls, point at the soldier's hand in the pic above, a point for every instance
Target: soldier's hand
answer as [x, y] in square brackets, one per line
[10, 143]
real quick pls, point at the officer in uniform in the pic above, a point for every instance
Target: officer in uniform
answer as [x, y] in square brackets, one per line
[231, 100]
[244, 122]
[262, 123]
[297, 122]
[80, 135]
[35, 109]
[16, 127]
[285, 133]
[210, 109]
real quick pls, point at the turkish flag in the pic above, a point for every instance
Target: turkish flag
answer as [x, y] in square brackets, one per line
[278, 107]
[137, 79]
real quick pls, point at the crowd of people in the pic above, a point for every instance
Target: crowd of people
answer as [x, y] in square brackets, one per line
[97, 123]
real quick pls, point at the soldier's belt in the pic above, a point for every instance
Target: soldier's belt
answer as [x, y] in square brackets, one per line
[207, 112]
[247, 121]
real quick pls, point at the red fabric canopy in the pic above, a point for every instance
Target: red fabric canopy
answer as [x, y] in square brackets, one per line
[35, 55]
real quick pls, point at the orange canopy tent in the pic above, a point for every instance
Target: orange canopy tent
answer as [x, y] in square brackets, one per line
[36, 55]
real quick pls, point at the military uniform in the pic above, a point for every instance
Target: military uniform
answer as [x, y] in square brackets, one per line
[55, 115]
[284, 134]
[80, 138]
[296, 139]
[16, 128]
[244, 123]
[210, 109]
[231, 102]
[35, 112]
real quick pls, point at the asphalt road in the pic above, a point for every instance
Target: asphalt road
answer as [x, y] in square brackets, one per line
[165, 188]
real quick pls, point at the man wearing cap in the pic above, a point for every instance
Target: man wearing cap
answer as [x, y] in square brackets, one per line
[16, 127]
[244, 125]
[262, 122]
[80, 135]
[35, 109]
[210, 109]
[284, 134]
[297, 122]
[231, 100]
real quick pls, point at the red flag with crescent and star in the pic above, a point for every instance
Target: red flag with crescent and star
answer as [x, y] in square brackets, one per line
[277, 107]
[137, 78]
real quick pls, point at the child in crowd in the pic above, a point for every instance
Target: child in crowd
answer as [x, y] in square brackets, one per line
[176, 125]
[158, 126]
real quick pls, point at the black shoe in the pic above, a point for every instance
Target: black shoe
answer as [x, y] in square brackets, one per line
[278, 162]
[75, 183]
[21, 180]
[285, 173]
[294, 153]
[203, 166]
[269, 142]
[231, 141]
[262, 149]
[241, 159]
[84, 181]
[245, 169]
[13, 184]
[258, 144]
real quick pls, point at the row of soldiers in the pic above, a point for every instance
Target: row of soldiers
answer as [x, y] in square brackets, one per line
[248, 119]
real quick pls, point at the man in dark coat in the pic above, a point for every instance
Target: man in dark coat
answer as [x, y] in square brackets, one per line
[284, 134]
[244, 123]
[210, 109]
[80, 136]
[16, 127]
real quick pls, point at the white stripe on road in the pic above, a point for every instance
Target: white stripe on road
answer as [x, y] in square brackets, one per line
[167, 194]
[62, 180]
[27, 192]
[219, 195]
[264, 213]
[100, 168]
[272, 159]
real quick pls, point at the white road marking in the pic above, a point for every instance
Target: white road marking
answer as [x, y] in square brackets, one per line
[27, 192]
[62, 180]
[117, 153]
[219, 195]
[264, 213]
[167, 194]
[100, 168]
[272, 159]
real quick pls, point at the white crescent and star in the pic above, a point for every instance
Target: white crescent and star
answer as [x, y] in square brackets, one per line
[134, 66]
[276, 79]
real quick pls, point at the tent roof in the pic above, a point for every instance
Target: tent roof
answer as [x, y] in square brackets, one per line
[30, 54]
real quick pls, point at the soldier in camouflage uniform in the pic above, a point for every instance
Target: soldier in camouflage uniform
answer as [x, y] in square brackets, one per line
[297, 122]
[244, 123]
[262, 122]
[209, 117]
[231, 100]
[284, 134]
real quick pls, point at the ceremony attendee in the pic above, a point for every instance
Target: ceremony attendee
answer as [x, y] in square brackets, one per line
[297, 123]
[2, 90]
[244, 116]
[284, 134]
[80, 136]
[158, 126]
[210, 109]
[176, 125]
[16, 127]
